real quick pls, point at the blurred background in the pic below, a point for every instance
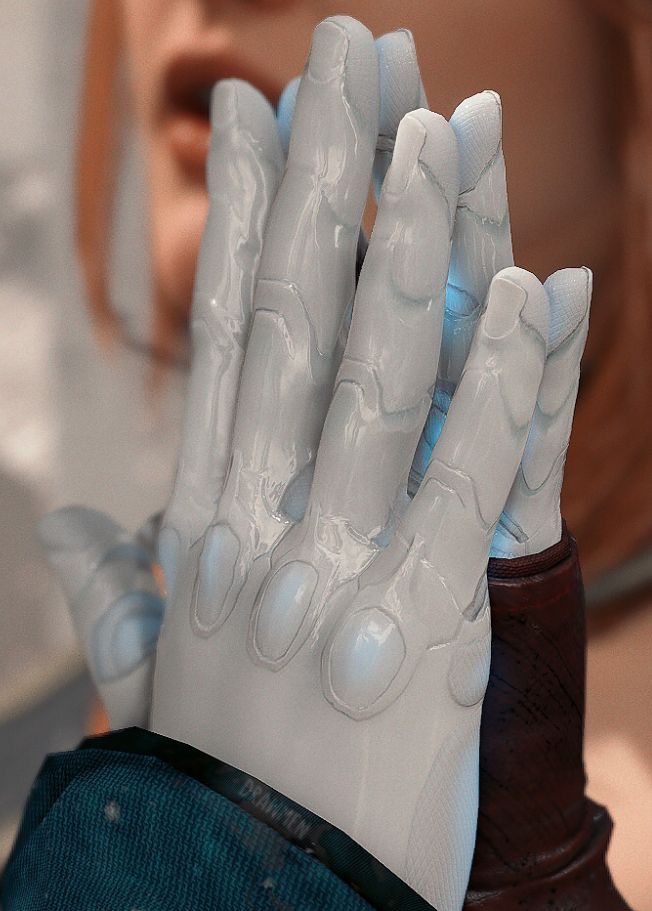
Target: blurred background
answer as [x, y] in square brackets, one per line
[103, 127]
[76, 425]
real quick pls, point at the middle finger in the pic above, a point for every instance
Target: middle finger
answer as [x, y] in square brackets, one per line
[306, 281]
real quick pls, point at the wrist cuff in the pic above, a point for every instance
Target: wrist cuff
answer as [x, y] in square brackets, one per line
[541, 844]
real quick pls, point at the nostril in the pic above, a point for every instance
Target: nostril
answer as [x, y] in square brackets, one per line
[282, 610]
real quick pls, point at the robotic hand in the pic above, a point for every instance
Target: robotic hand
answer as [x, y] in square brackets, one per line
[324, 633]
[107, 574]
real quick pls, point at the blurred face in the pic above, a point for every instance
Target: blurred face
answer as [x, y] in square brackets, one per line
[549, 59]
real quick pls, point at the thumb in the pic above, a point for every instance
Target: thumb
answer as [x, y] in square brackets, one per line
[115, 605]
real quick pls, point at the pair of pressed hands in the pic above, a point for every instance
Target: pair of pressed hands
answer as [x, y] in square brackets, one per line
[327, 623]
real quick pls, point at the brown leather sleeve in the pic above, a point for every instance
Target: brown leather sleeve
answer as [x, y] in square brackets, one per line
[541, 843]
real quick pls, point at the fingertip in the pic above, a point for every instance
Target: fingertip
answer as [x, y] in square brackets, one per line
[440, 146]
[477, 123]
[236, 101]
[241, 115]
[516, 293]
[396, 45]
[329, 48]
[428, 137]
[576, 281]
[355, 30]
[569, 292]
[400, 80]
[343, 46]
[518, 276]
[237, 96]
[224, 105]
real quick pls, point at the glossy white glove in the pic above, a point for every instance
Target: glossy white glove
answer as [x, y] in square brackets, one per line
[81, 543]
[107, 575]
[342, 656]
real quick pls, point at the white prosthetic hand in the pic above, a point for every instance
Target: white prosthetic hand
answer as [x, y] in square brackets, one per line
[107, 574]
[323, 634]
[326, 636]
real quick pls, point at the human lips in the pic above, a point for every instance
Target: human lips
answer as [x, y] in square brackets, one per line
[187, 85]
